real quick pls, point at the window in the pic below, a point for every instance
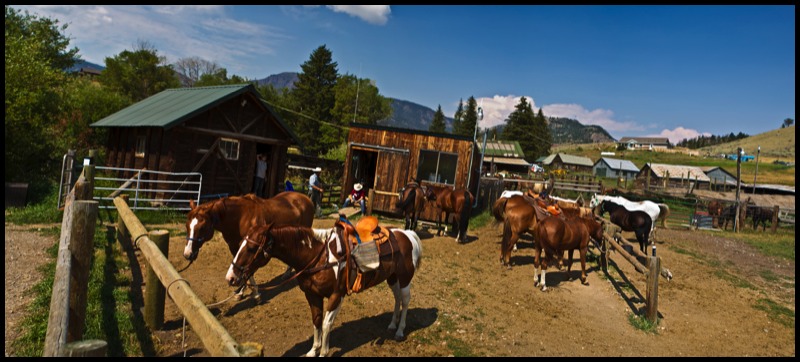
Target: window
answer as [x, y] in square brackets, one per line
[230, 148]
[437, 166]
[141, 143]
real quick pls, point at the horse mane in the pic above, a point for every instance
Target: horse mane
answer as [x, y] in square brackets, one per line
[291, 232]
[499, 209]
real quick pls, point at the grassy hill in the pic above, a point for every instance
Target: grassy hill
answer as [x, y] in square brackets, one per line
[776, 145]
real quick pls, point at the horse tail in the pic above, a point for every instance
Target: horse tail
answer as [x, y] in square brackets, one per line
[663, 214]
[463, 217]
[403, 204]
[499, 209]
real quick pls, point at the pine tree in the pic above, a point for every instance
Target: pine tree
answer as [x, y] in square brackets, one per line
[438, 125]
[457, 117]
[470, 119]
[543, 136]
[520, 128]
[315, 96]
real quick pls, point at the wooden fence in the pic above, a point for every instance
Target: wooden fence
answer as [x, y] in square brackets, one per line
[631, 253]
[214, 336]
[66, 321]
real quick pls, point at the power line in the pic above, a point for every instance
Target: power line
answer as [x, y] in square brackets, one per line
[306, 116]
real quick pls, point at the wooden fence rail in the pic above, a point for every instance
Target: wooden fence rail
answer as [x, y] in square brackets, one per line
[214, 336]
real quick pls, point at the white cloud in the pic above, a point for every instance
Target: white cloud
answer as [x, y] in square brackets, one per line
[497, 109]
[373, 14]
[678, 134]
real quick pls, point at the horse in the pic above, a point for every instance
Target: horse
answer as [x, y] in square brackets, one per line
[328, 271]
[519, 215]
[554, 235]
[638, 221]
[576, 206]
[233, 216]
[715, 210]
[728, 214]
[411, 204]
[759, 215]
[455, 201]
[657, 211]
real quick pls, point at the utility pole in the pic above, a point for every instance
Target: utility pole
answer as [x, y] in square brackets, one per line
[739, 152]
[756, 175]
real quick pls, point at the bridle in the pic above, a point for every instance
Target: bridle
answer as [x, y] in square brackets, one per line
[265, 246]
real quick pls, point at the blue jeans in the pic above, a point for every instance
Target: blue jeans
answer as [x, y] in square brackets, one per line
[259, 187]
[362, 202]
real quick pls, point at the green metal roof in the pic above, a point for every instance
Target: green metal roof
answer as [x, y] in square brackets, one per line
[510, 149]
[569, 159]
[172, 106]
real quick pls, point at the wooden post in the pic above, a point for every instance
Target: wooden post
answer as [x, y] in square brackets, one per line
[155, 293]
[68, 301]
[370, 201]
[775, 212]
[654, 265]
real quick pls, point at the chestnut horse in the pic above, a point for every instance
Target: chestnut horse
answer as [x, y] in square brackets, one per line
[411, 204]
[447, 201]
[233, 216]
[326, 269]
[554, 235]
[519, 216]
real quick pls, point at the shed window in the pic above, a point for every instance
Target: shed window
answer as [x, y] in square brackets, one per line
[437, 166]
[141, 145]
[230, 148]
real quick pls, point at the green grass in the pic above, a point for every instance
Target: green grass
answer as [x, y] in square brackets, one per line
[643, 324]
[776, 312]
[109, 301]
[780, 244]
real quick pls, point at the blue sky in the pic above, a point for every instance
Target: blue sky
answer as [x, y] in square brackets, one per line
[659, 71]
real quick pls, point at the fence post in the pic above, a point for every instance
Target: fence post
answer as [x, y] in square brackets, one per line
[68, 301]
[87, 348]
[155, 293]
[654, 265]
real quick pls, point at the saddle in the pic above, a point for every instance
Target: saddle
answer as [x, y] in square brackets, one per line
[370, 242]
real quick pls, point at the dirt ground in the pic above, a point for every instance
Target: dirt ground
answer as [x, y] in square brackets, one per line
[463, 303]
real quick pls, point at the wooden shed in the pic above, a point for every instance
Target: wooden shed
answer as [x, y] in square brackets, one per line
[385, 159]
[217, 131]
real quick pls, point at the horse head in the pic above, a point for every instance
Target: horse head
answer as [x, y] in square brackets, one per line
[258, 242]
[594, 201]
[200, 223]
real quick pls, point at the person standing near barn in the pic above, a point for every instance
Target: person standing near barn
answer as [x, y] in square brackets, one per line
[261, 174]
[315, 189]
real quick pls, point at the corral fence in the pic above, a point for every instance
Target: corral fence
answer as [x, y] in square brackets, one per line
[704, 220]
[146, 190]
[66, 321]
[491, 188]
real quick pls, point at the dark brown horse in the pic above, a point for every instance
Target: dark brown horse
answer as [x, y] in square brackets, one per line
[326, 270]
[639, 222]
[451, 201]
[233, 216]
[411, 204]
[555, 235]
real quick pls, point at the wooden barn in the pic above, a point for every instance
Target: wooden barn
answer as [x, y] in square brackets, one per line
[217, 131]
[385, 159]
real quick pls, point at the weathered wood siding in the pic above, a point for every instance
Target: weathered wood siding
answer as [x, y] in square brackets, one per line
[398, 161]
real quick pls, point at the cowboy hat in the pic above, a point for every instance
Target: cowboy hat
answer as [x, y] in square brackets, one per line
[358, 186]
[317, 169]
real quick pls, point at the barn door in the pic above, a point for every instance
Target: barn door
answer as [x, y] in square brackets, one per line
[391, 174]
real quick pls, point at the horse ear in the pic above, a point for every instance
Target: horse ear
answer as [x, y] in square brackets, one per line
[192, 205]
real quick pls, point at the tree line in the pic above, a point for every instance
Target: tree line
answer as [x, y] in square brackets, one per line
[703, 141]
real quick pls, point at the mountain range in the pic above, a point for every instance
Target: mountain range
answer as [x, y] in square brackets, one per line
[410, 115]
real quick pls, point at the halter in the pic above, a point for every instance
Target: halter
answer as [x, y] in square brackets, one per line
[214, 221]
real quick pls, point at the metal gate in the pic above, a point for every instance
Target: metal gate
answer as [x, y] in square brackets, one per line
[146, 190]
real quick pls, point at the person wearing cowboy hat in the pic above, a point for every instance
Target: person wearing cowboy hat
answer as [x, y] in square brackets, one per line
[357, 196]
[315, 189]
